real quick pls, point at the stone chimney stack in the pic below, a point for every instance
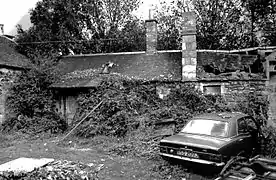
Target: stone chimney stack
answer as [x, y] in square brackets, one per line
[1, 29]
[151, 34]
[189, 55]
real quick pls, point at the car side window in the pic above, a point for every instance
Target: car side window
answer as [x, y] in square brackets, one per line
[246, 125]
[242, 127]
[251, 125]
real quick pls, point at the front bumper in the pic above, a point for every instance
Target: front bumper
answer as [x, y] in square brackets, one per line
[200, 161]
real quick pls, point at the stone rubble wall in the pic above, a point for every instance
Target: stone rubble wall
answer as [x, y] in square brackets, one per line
[7, 76]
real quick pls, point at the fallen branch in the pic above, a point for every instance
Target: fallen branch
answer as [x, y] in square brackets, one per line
[82, 120]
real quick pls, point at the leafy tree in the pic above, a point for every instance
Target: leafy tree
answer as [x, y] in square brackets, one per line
[61, 27]
[221, 24]
[131, 37]
[255, 11]
[169, 27]
[262, 17]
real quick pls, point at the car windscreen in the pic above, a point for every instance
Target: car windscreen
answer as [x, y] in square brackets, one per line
[207, 127]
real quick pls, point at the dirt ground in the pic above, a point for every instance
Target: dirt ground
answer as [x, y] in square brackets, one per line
[114, 167]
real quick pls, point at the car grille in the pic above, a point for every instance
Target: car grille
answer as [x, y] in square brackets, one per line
[193, 152]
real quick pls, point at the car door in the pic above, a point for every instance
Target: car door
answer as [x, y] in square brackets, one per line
[252, 129]
[244, 138]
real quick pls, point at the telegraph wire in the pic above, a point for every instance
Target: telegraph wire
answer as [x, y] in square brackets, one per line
[126, 39]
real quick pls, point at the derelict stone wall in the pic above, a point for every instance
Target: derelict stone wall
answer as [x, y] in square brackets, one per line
[233, 89]
[7, 76]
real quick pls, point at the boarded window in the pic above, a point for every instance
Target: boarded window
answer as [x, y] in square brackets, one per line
[212, 89]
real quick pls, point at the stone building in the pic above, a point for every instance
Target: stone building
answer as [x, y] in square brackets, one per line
[213, 71]
[11, 63]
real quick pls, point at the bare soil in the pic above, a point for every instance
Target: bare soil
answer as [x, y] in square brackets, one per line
[113, 166]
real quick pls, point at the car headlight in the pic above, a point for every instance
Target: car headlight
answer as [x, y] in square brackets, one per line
[163, 149]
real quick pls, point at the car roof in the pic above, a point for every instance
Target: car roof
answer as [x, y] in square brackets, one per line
[224, 116]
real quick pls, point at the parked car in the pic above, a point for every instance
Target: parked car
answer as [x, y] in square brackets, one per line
[212, 139]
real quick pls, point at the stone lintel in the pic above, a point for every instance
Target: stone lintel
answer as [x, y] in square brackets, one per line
[151, 20]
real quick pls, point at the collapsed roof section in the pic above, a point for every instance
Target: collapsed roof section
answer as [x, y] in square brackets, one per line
[226, 66]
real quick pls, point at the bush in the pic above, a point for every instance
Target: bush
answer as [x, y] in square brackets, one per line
[131, 109]
[40, 122]
[256, 105]
[268, 142]
[30, 92]
[30, 101]
[124, 100]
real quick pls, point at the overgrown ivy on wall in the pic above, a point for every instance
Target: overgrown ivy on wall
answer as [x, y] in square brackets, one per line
[125, 101]
[30, 102]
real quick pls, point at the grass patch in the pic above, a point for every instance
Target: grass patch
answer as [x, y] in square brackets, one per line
[5, 142]
[9, 139]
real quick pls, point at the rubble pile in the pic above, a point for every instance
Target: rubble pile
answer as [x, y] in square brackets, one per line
[59, 169]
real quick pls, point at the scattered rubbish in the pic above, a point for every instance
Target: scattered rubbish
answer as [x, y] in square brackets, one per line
[256, 168]
[99, 167]
[90, 164]
[49, 169]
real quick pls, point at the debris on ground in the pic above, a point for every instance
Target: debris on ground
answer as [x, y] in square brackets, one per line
[58, 169]
[256, 168]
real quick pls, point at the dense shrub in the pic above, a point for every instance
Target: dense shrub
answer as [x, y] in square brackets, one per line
[124, 100]
[39, 122]
[131, 105]
[268, 142]
[30, 92]
[30, 102]
[256, 105]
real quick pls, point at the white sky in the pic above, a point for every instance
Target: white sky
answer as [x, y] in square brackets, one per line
[11, 11]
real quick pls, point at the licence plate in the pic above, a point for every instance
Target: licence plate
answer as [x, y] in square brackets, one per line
[187, 154]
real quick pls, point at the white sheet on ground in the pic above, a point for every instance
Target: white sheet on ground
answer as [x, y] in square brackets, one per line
[24, 164]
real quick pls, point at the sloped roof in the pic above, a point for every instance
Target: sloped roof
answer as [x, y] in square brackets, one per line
[84, 79]
[78, 83]
[137, 65]
[79, 79]
[165, 65]
[9, 56]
